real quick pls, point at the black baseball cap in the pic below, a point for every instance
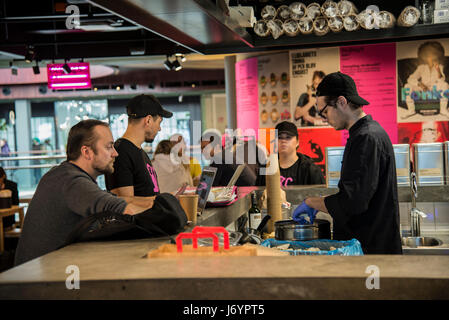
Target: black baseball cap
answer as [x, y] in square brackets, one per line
[340, 84]
[288, 128]
[145, 104]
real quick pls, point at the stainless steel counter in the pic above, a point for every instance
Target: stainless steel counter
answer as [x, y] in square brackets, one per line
[296, 194]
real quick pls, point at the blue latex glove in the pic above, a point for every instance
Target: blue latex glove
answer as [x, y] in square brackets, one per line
[304, 214]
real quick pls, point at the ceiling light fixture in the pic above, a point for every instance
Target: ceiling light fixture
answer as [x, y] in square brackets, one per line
[176, 65]
[36, 69]
[29, 56]
[168, 65]
[14, 70]
[66, 68]
[181, 56]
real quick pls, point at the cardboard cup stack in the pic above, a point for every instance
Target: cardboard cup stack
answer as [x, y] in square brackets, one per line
[273, 188]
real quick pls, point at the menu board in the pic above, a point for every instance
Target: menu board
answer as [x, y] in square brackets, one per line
[247, 94]
[307, 68]
[373, 69]
[274, 90]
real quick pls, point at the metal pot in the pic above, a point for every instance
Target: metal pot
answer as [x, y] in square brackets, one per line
[291, 230]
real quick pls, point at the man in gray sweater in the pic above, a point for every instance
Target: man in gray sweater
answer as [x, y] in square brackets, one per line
[69, 192]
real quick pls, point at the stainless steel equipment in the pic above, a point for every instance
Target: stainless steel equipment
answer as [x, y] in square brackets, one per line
[414, 242]
[402, 157]
[291, 230]
[334, 157]
[429, 166]
[415, 213]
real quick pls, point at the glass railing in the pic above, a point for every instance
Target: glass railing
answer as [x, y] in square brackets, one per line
[27, 168]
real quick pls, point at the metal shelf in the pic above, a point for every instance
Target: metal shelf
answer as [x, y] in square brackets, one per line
[343, 38]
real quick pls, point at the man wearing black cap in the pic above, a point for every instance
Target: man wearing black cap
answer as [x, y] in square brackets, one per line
[366, 206]
[133, 173]
[295, 168]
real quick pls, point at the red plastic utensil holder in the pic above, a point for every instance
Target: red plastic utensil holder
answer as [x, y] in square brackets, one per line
[194, 237]
[200, 229]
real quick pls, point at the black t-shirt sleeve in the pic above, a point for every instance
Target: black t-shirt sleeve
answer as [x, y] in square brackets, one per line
[358, 181]
[123, 170]
[315, 175]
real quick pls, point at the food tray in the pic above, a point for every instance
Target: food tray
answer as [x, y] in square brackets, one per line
[342, 248]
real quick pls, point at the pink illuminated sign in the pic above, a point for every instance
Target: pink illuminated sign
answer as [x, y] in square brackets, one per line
[76, 76]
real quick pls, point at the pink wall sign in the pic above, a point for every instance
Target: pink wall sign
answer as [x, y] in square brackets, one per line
[77, 78]
[373, 68]
[247, 94]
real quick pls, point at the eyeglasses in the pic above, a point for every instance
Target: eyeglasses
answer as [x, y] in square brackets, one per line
[320, 113]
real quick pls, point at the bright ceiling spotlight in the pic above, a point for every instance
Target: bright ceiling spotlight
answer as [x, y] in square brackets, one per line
[181, 56]
[176, 65]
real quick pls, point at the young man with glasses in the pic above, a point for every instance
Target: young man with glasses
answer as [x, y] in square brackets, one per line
[366, 206]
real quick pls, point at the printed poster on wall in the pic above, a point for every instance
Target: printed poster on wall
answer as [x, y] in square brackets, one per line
[307, 68]
[274, 87]
[313, 142]
[423, 89]
[373, 69]
[247, 94]
[423, 132]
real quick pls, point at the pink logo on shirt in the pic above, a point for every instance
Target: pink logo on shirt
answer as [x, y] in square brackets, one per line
[153, 176]
[285, 181]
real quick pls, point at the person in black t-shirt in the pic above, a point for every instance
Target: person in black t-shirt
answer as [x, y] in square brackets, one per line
[133, 173]
[295, 168]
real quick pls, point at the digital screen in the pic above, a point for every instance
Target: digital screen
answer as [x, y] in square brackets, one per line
[63, 76]
[204, 186]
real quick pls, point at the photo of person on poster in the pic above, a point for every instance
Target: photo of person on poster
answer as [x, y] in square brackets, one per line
[423, 132]
[425, 90]
[305, 110]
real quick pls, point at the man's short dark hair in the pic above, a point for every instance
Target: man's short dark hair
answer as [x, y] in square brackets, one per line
[82, 134]
[319, 74]
[332, 100]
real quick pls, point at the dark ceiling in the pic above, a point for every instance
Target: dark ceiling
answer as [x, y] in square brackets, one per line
[42, 24]
[126, 28]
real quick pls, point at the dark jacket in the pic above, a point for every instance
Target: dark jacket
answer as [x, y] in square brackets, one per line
[366, 206]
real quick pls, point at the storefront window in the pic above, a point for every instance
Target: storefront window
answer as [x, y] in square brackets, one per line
[69, 113]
